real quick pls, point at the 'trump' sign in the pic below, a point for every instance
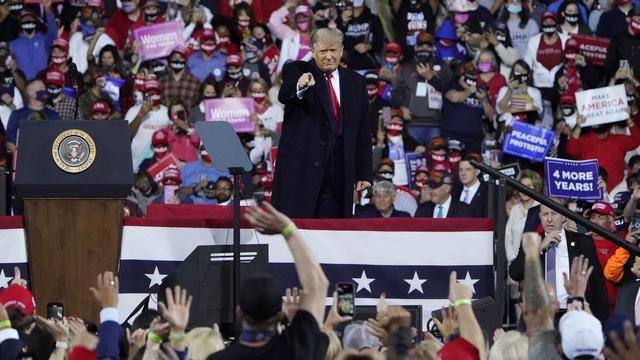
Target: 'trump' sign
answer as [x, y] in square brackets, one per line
[158, 40]
[572, 179]
[235, 111]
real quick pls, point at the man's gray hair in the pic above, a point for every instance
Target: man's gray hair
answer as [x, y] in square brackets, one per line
[384, 186]
[326, 33]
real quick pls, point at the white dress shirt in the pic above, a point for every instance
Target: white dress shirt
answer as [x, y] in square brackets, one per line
[445, 208]
[471, 190]
[562, 266]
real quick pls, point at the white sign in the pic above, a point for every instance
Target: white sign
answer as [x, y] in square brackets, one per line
[603, 105]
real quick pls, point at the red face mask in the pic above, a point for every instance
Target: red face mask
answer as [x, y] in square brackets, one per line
[634, 26]
[372, 91]
[421, 183]
[391, 59]
[58, 59]
[204, 155]
[621, 2]
[394, 129]
[208, 48]
[160, 151]
[259, 96]
[139, 82]
[156, 99]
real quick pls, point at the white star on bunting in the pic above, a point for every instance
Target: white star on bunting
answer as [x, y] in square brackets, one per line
[415, 283]
[156, 277]
[364, 282]
[468, 281]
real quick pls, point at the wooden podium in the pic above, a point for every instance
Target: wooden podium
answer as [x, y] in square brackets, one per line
[73, 177]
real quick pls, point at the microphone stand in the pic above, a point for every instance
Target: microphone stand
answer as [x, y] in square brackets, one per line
[73, 73]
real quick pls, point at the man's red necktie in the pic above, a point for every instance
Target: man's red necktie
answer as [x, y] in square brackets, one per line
[334, 101]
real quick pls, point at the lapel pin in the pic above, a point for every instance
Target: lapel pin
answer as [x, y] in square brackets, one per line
[573, 244]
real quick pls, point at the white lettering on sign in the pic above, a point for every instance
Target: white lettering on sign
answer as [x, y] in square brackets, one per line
[218, 113]
[158, 40]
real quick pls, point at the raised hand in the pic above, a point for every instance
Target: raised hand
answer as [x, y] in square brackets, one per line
[333, 317]
[306, 79]
[106, 290]
[449, 322]
[80, 336]
[59, 330]
[576, 284]
[291, 302]
[17, 278]
[176, 311]
[267, 220]
[458, 291]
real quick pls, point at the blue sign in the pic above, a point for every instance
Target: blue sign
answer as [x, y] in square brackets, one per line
[572, 179]
[413, 161]
[527, 141]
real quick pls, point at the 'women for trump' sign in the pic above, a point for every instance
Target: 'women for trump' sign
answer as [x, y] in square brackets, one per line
[159, 40]
[235, 111]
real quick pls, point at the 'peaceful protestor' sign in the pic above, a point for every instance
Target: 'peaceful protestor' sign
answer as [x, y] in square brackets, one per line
[235, 111]
[602, 105]
[527, 141]
[593, 48]
[159, 40]
[572, 179]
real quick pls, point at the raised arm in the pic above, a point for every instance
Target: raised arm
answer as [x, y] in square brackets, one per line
[268, 220]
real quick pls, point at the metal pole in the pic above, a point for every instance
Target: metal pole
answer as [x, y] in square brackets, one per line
[501, 256]
[237, 178]
[546, 201]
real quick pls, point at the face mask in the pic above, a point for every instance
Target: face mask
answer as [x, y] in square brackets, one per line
[461, 18]
[54, 90]
[15, 8]
[394, 129]
[372, 92]
[631, 99]
[621, 2]
[160, 151]
[514, 9]
[158, 70]
[204, 155]
[109, 67]
[454, 157]
[437, 157]
[549, 30]
[58, 59]
[303, 25]
[391, 59]
[469, 81]
[571, 19]
[445, 43]
[567, 110]
[259, 96]
[235, 75]
[176, 66]
[243, 23]
[388, 175]
[150, 17]
[87, 30]
[139, 83]
[485, 67]
[42, 95]
[521, 78]
[156, 99]
[129, 7]
[29, 27]
[207, 48]
[634, 26]
[421, 183]
[250, 55]
[501, 37]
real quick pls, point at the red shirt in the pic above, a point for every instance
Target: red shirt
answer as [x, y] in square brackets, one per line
[549, 55]
[262, 9]
[118, 27]
[609, 151]
[604, 250]
[493, 86]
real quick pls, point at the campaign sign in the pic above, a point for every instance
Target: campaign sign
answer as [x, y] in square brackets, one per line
[593, 48]
[527, 141]
[413, 161]
[602, 105]
[157, 169]
[159, 40]
[572, 179]
[235, 111]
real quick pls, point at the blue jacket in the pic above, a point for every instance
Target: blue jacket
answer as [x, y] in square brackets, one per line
[32, 54]
[13, 125]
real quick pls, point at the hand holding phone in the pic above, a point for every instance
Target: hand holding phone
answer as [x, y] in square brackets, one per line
[55, 311]
[346, 299]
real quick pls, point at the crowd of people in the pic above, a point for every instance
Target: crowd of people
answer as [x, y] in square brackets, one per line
[446, 81]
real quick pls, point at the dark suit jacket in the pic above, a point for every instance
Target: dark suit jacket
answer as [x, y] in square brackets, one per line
[307, 148]
[478, 208]
[577, 244]
[427, 209]
[627, 292]
[370, 212]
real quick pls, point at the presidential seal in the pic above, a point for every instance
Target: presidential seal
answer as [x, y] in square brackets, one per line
[73, 151]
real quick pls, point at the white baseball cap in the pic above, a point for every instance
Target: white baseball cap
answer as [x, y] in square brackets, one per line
[581, 334]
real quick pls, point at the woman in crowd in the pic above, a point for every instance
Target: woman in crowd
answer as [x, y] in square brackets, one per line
[570, 19]
[518, 215]
[268, 118]
[520, 83]
[517, 17]
[298, 45]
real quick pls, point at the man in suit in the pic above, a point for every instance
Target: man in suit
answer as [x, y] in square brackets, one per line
[557, 251]
[384, 194]
[471, 192]
[325, 148]
[442, 204]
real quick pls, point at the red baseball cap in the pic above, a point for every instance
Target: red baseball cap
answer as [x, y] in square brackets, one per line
[601, 207]
[208, 34]
[18, 297]
[54, 77]
[100, 106]
[572, 44]
[180, 49]
[459, 349]
[159, 138]
[568, 99]
[151, 85]
[303, 10]
[234, 60]
[422, 170]
[548, 15]
[393, 47]
[61, 43]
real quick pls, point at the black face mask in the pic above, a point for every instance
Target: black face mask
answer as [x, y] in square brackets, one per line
[176, 66]
[54, 91]
[521, 78]
[15, 9]
[7, 78]
[631, 99]
[424, 56]
[549, 30]
[29, 27]
[571, 19]
[235, 75]
[150, 17]
[386, 174]
[470, 81]
[158, 69]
